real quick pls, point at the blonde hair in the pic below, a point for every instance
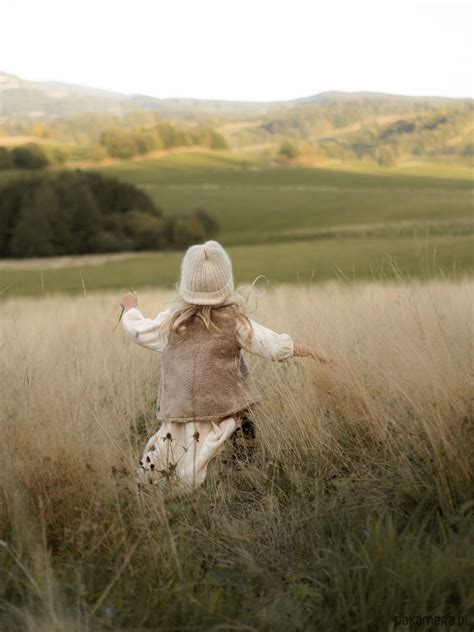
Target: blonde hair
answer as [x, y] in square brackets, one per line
[182, 313]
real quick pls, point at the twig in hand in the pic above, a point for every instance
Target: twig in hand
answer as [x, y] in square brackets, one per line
[121, 313]
[119, 319]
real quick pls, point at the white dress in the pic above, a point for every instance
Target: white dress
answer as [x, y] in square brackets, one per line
[181, 452]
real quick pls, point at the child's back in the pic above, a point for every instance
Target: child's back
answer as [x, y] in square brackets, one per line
[206, 389]
[203, 374]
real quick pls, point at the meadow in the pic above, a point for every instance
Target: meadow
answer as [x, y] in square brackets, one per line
[293, 225]
[258, 203]
[357, 509]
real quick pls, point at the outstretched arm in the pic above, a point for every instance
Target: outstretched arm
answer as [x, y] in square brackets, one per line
[146, 332]
[264, 342]
[273, 346]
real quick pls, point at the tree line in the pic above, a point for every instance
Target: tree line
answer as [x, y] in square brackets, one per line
[113, 142]
[123, 143]
[79, 212]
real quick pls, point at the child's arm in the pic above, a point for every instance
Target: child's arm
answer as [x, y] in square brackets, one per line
[264, 342]
[273, 346]
[146, 332]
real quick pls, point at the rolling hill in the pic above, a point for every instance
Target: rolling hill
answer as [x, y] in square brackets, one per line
[331, 125]
[35, 99]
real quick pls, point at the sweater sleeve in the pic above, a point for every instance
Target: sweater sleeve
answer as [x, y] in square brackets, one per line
[146, 332]
[264, 342]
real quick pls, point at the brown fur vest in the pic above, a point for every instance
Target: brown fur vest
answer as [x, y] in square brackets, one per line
[203, 374]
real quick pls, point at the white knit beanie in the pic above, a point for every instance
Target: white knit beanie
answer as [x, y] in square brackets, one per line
[206, 274]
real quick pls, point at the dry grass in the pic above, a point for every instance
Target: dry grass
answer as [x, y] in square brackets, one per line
[357, 508]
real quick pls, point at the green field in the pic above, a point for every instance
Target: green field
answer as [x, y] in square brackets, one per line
[302, 262]
[259, 203]
[292, 225]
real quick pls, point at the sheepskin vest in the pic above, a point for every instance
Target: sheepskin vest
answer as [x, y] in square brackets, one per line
[203, 374]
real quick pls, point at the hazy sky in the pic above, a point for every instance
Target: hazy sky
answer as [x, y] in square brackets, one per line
[244, 49]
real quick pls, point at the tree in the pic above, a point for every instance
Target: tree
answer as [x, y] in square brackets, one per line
[145, 230]
[73, 212]
[29, 156]
[144, 140]
[288, 150]
[85, 217]
[217, 141]
[33, 235]
[168, 135]
[58, 155]
[12, 196]
[208, 222]
[5, 159]
[41, 130]
[386, 157]
[119, 144]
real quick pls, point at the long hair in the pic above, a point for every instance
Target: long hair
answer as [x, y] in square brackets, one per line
[182, 313]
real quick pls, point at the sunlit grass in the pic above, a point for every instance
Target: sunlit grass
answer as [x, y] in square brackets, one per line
[358, 507]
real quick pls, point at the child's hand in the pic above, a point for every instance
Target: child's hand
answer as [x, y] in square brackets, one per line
[307, 352]
[129, 300]
[324, 359]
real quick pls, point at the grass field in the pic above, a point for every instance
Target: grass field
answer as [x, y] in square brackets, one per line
[291, 224]
[302, 263]
[261, 203]
[358, 508]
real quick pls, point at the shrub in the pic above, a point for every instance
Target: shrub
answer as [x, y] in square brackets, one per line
[187, 230]
[145, 230]
[190, 228]
[29, 156]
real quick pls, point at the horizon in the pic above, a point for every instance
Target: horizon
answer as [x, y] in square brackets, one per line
[225, 100]
[263, 53]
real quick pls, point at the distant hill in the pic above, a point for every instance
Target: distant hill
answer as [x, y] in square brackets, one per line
[20, 97]
[40, 100]
[335, 96]
[330, 125]
[36, 100]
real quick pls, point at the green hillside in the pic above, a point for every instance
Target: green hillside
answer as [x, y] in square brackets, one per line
[255, 203]
[293, 225]
[366, 126]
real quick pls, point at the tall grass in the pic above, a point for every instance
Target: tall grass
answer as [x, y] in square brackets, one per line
[358, 507]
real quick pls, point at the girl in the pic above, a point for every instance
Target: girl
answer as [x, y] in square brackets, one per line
[206, 392]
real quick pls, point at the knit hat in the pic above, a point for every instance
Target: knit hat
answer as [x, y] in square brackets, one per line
[206, 274]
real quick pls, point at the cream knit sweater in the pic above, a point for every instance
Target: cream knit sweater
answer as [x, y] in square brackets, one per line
[153, 334]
